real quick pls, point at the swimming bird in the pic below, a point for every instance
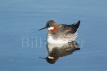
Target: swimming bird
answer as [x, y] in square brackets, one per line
[61, 33]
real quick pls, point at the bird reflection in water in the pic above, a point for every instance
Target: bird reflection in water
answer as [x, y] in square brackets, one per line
[59, 50]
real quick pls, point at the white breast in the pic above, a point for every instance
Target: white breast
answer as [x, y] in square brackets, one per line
[71, 38]
[54, 45]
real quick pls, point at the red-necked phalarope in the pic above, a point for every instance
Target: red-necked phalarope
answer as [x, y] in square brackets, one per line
[61, 33]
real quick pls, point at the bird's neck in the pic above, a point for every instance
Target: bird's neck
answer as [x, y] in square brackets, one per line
[55, 28]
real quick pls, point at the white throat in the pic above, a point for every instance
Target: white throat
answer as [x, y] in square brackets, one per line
[50, 28]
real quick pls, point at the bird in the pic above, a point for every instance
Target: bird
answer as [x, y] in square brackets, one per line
[61, 33]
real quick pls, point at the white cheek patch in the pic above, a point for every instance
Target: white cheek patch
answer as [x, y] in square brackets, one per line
[50, 28]
[50, 57]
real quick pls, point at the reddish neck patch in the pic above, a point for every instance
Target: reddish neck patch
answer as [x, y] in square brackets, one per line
[55, 28]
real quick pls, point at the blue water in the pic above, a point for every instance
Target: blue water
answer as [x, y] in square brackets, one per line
[21, 44]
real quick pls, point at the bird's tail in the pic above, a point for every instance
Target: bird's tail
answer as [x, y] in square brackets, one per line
[76, 25]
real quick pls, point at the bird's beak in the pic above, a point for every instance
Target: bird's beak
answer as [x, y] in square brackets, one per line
[42, 28]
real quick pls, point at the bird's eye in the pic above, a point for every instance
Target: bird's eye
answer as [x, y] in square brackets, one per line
[49, 24]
